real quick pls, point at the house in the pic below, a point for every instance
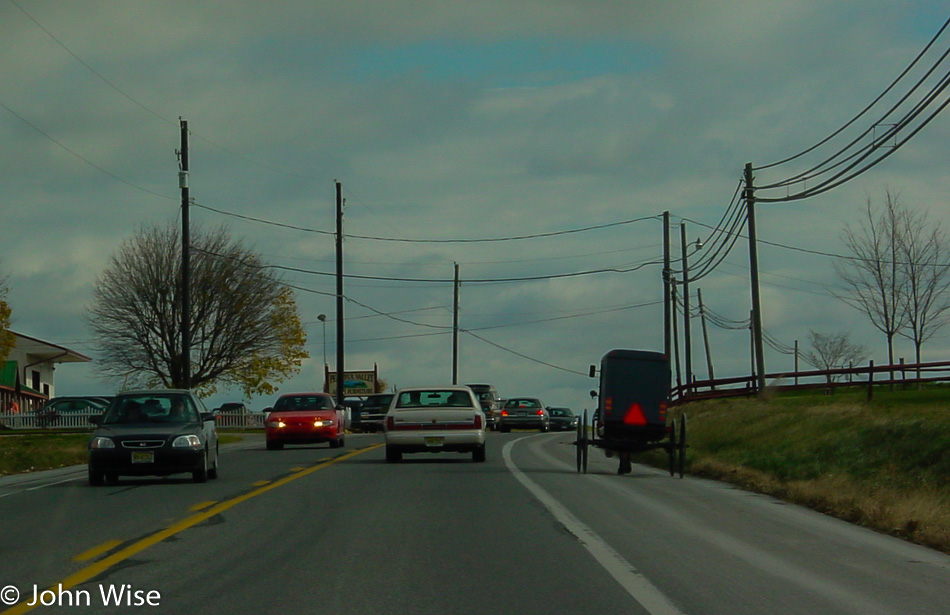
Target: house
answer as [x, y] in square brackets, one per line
[26, 377]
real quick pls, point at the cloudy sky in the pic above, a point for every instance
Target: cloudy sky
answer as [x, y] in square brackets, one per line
[461, 120]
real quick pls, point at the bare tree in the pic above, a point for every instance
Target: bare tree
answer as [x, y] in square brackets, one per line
[833, 351]
[245, 327]
[925, 263]
[875, 283]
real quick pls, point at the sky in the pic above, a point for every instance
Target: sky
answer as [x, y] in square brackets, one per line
[535, 143]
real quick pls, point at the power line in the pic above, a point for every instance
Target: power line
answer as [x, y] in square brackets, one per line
[420, 240]
[853, 164]
[863, 111]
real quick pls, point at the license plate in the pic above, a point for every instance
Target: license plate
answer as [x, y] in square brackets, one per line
[143, 457]
[434, 441]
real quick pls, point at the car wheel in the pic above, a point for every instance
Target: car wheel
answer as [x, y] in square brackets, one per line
[201, 474]
[393, 454]
[274, 446]
[213, 471]
[478, 455]
[96, 478]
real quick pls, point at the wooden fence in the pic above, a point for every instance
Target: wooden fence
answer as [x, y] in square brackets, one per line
[867, 377]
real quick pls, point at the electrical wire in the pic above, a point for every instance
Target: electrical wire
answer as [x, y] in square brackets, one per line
[866, 109]
[853, 164]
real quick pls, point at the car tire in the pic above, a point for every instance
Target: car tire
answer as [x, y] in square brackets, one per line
[96, 478]
[274, 446]
[393, 454]
[478, 455]
[201, 474]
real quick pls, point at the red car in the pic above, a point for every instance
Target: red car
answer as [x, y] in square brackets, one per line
[304, 418]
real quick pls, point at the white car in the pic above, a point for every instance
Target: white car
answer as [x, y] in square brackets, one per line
[435, 419]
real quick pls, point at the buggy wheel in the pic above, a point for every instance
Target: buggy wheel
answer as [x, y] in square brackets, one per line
[585, 438]
[578, 444]
[681, 452]
[671, 447]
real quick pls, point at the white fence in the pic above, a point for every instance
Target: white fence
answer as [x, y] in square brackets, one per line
[80, 420]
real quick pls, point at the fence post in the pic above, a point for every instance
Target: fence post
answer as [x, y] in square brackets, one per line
[870, 380]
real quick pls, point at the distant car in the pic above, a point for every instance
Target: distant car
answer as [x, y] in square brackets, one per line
[57, 407]
[524, 413]
[432, 420]
[562, 419]
[304, 418]
[153, 433]
[373, 412]
[490, 402]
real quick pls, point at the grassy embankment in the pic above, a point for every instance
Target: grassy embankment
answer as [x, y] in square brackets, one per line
[32, 452]
[883, 464]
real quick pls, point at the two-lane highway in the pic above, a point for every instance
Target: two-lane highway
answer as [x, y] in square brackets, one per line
[310, 529]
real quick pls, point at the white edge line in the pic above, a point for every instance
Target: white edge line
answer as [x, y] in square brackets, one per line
[631, 579]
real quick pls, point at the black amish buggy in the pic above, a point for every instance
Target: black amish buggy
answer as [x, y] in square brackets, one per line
[631, 415]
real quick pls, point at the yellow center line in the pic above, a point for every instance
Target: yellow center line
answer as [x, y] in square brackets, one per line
[95, 569]
[202, 505]
[95, 551]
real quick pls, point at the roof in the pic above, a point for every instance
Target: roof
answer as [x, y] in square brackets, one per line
[48, 351]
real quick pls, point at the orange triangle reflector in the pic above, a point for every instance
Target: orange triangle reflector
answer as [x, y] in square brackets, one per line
[634, 415]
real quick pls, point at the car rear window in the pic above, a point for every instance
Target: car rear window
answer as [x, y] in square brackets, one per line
[434, 399]
[522, 403]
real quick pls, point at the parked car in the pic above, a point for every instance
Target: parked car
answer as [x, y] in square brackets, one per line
[54, 409]
[153, 433]
[433, 420]
[524, 413]
[562, 419]
[304, 418]
[373, 412]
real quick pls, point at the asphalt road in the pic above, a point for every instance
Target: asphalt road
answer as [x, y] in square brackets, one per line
[315, 530]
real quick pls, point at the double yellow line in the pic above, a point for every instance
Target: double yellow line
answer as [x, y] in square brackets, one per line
[93, 570]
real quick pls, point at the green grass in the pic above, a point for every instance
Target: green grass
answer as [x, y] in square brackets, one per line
[884, 464]
[33, 452]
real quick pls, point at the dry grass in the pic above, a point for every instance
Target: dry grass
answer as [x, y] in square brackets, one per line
[884, 465]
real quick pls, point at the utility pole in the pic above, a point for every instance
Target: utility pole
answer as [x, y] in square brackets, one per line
[702, 317]
[667, 308]
[185, 260]
[754, 281]
[796, 362]
[676, 344]
[687, 346]
[455, 330]
[340, 395]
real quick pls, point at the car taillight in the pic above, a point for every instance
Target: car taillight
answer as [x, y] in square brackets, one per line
[504, 413]
[390, 423]
[540, 412]
[478, 421]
